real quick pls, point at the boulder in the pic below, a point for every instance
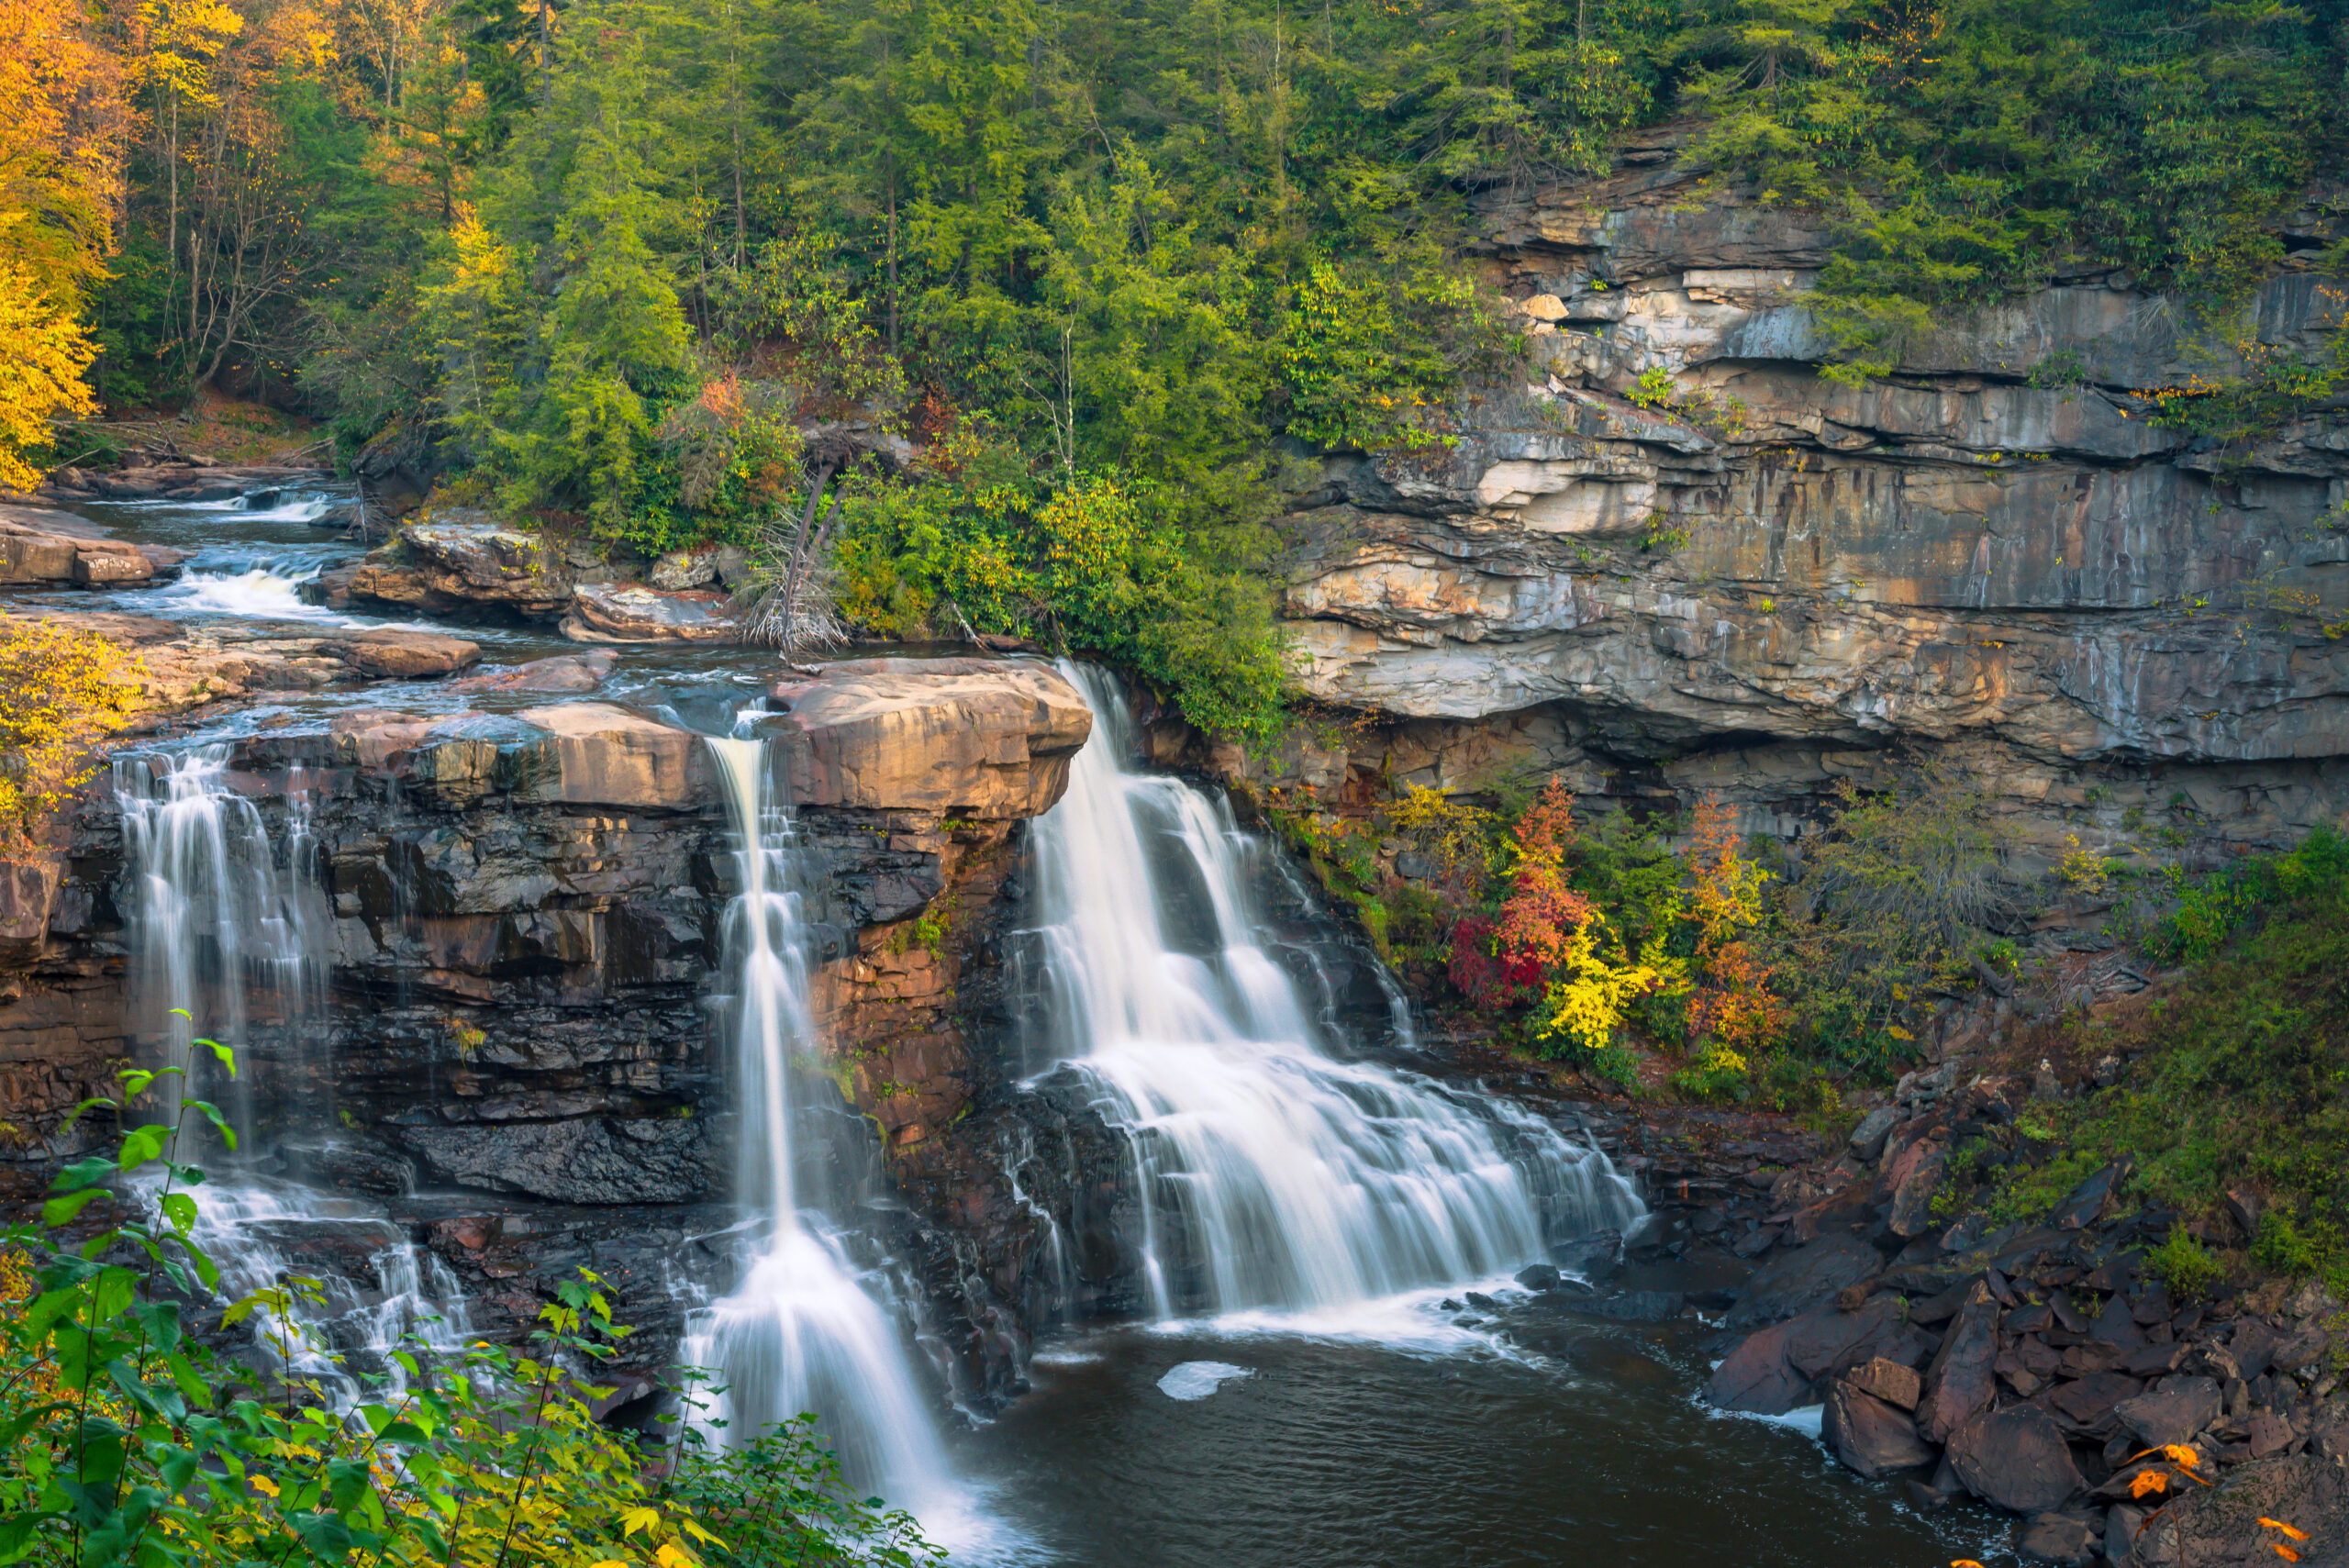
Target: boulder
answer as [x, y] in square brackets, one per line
[1774, 1370]
[980, 739]
[2209, 1526]
[597, 754]
[1870, 1436]
[630, 612]
[2085, 1202]
[1961, 1379]
[27, 893]
[562, 674]
[680, 570]
[2177, 1410]
[1867, 1138]
[462, 559]
[59, 550]
[2058, 1538]
[396, 653]
[1794, 1282]
[2086, 1405]
[1538, 1276]
[1889, 1380]
[2016, 1458]
[1912, 1200]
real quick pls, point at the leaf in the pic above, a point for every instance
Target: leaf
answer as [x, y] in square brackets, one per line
[179, 1209]
[2284, 1551]
[635, 1519]
[2147, 1482]
[60, 1210]
[219, 1123]
[223, 1054]
[142, 1146]
[2288, 1529]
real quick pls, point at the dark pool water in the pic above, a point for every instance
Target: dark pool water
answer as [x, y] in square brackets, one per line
[1572, 1443]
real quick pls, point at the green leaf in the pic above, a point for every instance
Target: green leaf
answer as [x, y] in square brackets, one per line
[83, 1173]
[143, 1145]
[61, 1210]
[179, 1209]
[226, 1057]
[219, 1123]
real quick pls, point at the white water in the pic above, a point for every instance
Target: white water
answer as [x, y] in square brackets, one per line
[265, 592]
[219, 913]
[801, 1334]
[1272, 1175]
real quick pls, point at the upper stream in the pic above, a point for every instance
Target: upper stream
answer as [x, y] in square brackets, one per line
[1312, 1384]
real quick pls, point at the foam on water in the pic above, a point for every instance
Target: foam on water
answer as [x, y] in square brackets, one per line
[1197, 1380]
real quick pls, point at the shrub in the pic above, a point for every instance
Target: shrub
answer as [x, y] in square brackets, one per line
[132, 1443]
[2184, 1264]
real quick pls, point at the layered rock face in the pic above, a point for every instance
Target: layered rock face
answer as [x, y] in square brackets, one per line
[1739, 574]
[520, 922]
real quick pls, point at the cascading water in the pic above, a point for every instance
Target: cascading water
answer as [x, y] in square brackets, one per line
[800, 1333]
[220, 915]
[1272, 1174]
[215, 917]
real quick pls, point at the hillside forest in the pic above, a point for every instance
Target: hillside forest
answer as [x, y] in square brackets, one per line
[1097, 277]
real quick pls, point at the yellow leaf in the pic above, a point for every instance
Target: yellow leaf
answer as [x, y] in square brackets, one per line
[635, 1519]
[2179, 1454]
[2286, 1553]
[2146, 1481]
[672, 1555]
[2288, 1529]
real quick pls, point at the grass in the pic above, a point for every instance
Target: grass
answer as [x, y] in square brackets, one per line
[2239, 1080]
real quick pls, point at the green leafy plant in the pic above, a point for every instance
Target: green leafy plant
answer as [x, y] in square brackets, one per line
[2189, 1268]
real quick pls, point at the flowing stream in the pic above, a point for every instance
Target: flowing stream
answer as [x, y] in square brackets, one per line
[1273, 1175]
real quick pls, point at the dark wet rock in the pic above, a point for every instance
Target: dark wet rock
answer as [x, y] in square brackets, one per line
[1794, 1282]
[1538, 1277]
[622, 1162]
[1869, 1435]
[2067, 1539]
[1756, 1242]
[1640, 1305]
[2015, 1458]
[1593, 1258]
[1778, 1368]
[2175, 1411]
[1481, 1302]
[1961, 1378]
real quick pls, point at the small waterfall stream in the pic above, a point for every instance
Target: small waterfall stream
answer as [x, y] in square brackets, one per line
[800, 1333]
[221, 913]
[1273, 1174]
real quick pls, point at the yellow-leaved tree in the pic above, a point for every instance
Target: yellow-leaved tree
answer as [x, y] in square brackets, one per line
[59, 690]
[62, 119]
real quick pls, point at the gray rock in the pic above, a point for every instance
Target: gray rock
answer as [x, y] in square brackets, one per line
[1794, 1282]
[2015, 1459]
[2176, 1411]
[1867, 1138]
[680, 570]
[2059, 1537]
[601, 1161]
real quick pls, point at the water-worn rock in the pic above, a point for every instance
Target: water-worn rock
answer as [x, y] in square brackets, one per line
[1869, 1435]
[602, 755]
[2015, 1458]
[568, 673]
[980, 740]
[1889, 1380]
[395, 653]
[605, 612]
[600, 1162]
[57, 549]
[1776, 1369]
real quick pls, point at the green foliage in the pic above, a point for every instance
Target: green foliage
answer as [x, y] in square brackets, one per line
[1897, 901]
[1100, 565]
[133, 1443]
[2184, 1264]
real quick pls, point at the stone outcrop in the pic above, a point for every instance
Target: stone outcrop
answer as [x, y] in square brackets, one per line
[48, 549]
[1738, 574]
[632, 612]
[971, 737]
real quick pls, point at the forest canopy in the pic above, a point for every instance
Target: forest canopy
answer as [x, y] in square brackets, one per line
[1102, 266]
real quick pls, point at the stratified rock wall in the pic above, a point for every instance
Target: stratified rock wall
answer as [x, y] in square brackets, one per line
[1770, 580]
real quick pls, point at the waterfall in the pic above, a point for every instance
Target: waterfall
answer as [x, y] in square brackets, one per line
[1273, 1174]
[219, 912]
[800, 1333]
[215, 916]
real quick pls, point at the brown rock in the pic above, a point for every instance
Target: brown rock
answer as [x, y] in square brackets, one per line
[2015, 1458]
[1773, 1371]
[601, 755]
[395, 653]
[972, 738]
[28, 892]
[564, 674]
[607, 612]
[1961, 1379]
[1888, 1380]
[2177, 1410]
[1912, 1200]
[1869, 1435]
[2087, 1404]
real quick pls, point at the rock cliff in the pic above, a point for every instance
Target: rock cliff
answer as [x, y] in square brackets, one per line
[513, 927]
[1677, 557]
